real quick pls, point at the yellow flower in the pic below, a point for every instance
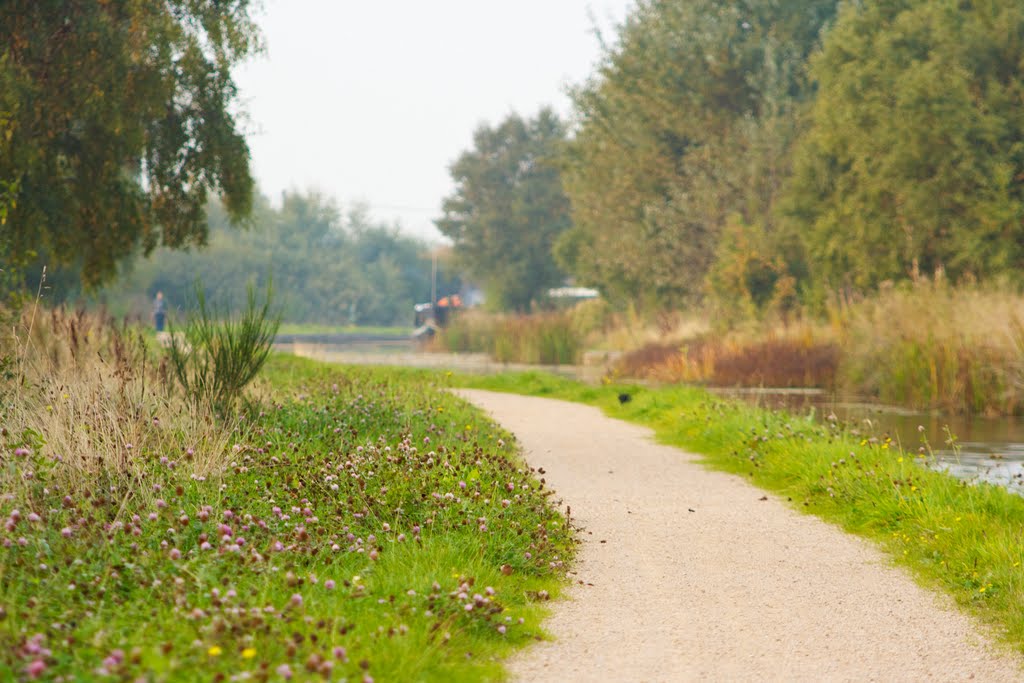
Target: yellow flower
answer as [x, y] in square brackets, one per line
[214, 651]
[249, 652]
[356, 578]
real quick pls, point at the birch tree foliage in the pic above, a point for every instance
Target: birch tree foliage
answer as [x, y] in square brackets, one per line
[118, 124]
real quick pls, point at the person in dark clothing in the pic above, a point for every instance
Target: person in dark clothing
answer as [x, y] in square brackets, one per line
[159, 312]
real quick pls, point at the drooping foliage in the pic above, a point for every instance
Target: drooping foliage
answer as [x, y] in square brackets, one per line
[117, 123]
[914, 161]
[508, 208]
[686, 127]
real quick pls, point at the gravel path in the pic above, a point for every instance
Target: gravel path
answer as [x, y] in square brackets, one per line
[689, 574]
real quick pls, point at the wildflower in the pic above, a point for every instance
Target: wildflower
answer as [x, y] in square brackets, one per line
[329, 584]
[214, 651]
[35, 668]
[284, 671]
[248, 653]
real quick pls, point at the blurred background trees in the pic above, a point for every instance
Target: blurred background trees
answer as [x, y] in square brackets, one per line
[328, 266]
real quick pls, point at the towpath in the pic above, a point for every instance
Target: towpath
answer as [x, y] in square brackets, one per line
[686, 574]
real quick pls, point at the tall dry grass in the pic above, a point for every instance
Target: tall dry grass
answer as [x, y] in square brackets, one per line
[548, 338]
[931, 345]
[926, 345]
[86, 402]
[559, 337]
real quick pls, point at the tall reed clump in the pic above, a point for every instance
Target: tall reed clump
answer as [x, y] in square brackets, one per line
[85, 403]
[219, 354]
[548, 338]
[930, 345]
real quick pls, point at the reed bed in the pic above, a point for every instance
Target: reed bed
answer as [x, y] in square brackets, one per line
[934, 346]
[544, 338]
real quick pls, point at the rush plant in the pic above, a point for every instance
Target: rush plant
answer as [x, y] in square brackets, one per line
[220, 353]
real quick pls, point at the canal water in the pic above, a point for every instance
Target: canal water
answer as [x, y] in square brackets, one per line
[974, 449]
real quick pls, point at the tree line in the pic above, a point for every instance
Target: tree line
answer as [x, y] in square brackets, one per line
[758, 153]
[764, 154]
[325, 266]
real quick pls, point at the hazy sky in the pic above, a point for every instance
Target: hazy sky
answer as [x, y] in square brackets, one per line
[373, 99]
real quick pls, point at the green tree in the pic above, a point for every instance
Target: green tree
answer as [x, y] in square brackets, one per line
[508, 208]
[688, 121]
[914, 161]
[122, 127]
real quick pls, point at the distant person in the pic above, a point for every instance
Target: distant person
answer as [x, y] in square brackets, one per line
[159, 312]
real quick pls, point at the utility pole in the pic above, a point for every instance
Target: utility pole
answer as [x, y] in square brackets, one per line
[433, 279]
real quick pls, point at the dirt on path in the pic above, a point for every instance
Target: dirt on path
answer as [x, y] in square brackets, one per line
[686, 574]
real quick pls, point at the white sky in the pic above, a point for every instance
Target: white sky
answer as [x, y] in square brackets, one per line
[372, 100]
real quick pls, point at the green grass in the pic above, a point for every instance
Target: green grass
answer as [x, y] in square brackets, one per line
[961, 538]
[308, 328]
[374, 509]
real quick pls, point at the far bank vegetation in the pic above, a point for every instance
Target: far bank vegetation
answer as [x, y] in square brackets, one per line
[832, 192]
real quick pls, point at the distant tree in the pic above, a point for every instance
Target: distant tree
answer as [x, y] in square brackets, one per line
[116, 124]
[508, 208]
[914, 161]
[686, 126]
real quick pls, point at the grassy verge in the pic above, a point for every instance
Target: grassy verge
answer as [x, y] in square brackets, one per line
[357, 525]
[963, 539]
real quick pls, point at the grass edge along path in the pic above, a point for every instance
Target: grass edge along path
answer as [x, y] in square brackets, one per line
[364, 525]
[966, 540]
